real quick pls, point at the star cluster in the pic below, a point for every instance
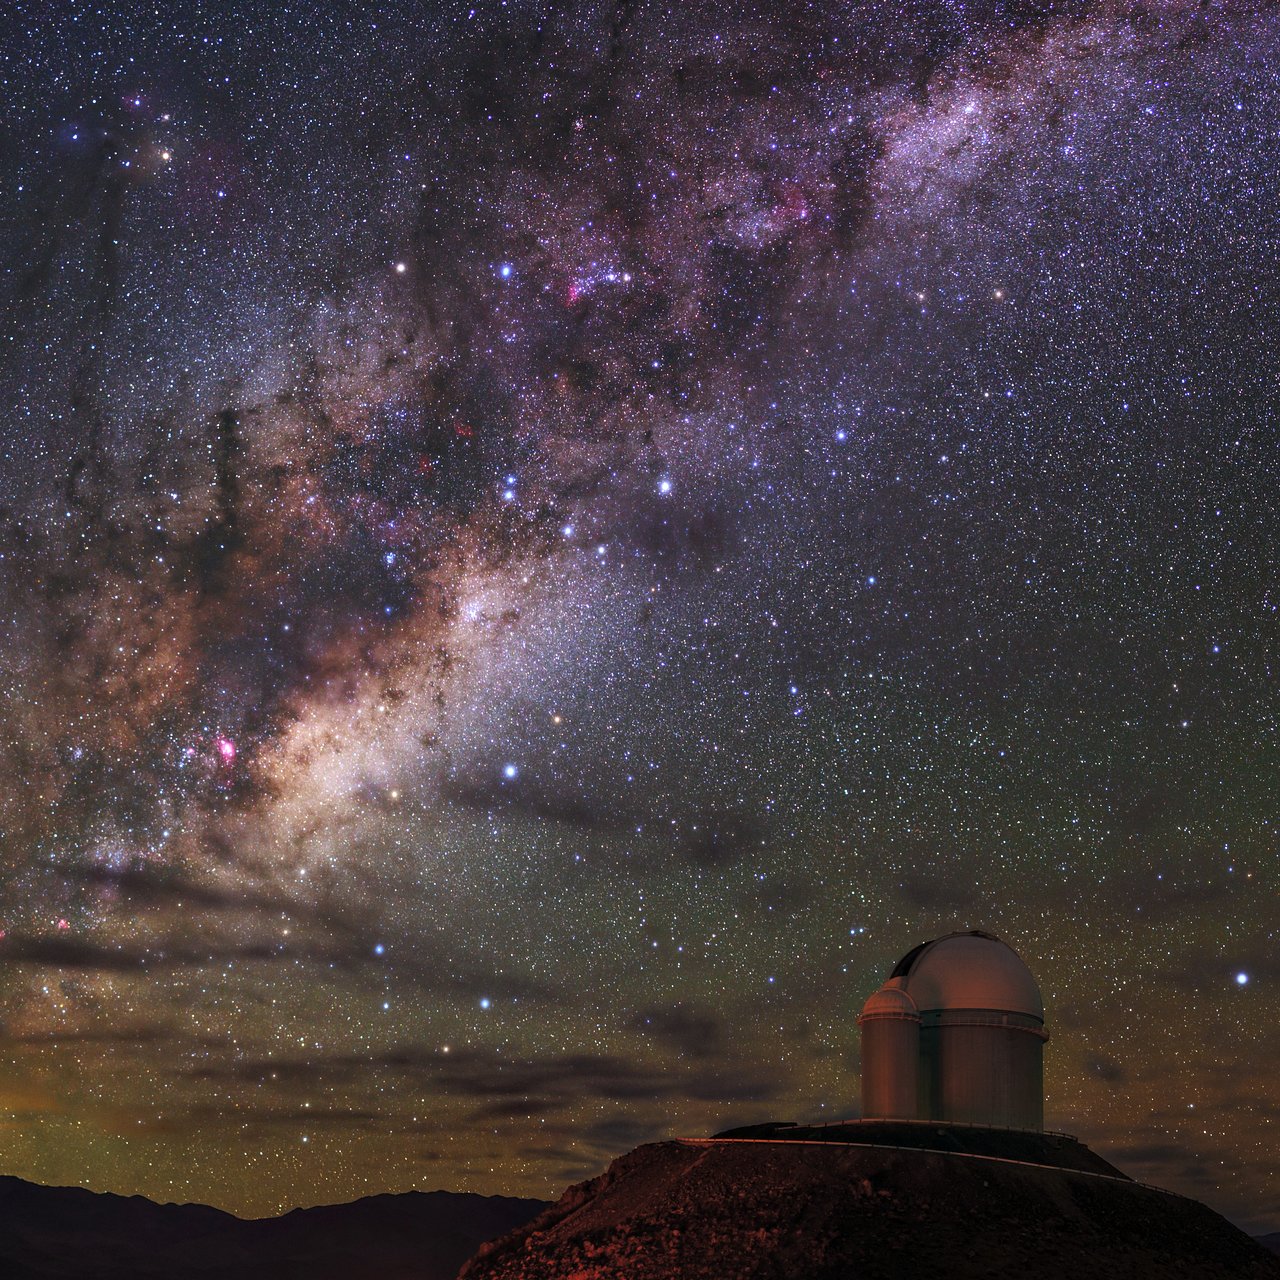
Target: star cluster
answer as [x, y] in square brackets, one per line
[544, 546]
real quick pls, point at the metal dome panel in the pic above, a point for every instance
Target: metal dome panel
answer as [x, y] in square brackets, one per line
[890, 1002]
[970, 971]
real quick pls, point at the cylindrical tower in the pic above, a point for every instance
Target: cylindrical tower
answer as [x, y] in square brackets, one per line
[890, 1026]
[986, 1068]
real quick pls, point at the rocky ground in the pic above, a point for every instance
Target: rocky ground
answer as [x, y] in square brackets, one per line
[741, 1210]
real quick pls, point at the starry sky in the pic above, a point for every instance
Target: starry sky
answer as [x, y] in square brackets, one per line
[542, 547]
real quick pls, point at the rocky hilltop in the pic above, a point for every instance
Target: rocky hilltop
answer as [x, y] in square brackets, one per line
[745, 1209]
[65, 1233]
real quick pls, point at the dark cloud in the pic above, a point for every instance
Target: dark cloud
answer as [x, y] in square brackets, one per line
[587, 813]
[1151, 1153]
[937, 886]
[690, 1033]
[124, 1037]
[1217, 969]
[1165, 887]
[506, 1082]
[682, 536]
[712, 840]
[515, 1109]
[721, 841]
[788, 893]
[160, 886]
[1163, 1164]
[1106, 1069]
[289, 1118]
[59, 952]
[616, 1134]
[431, 966]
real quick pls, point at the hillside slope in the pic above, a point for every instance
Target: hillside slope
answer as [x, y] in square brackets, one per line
[827, 1211]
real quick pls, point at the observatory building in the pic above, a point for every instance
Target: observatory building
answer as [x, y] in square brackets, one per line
[956, 1034]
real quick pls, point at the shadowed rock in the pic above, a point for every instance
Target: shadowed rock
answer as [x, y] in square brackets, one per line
[742, 1210]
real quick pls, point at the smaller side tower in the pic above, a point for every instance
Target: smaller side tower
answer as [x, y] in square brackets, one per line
[890, 1025]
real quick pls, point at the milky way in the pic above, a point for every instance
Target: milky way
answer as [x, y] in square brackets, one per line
[544, 549]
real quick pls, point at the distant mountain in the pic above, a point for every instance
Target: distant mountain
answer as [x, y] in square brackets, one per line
[827, 1210]
[65, 1233]
[1271, 1242]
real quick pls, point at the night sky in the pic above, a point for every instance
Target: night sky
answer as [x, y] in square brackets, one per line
[543, 548]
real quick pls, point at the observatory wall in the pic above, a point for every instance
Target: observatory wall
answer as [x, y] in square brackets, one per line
[979, 1067]
[890, 1054]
